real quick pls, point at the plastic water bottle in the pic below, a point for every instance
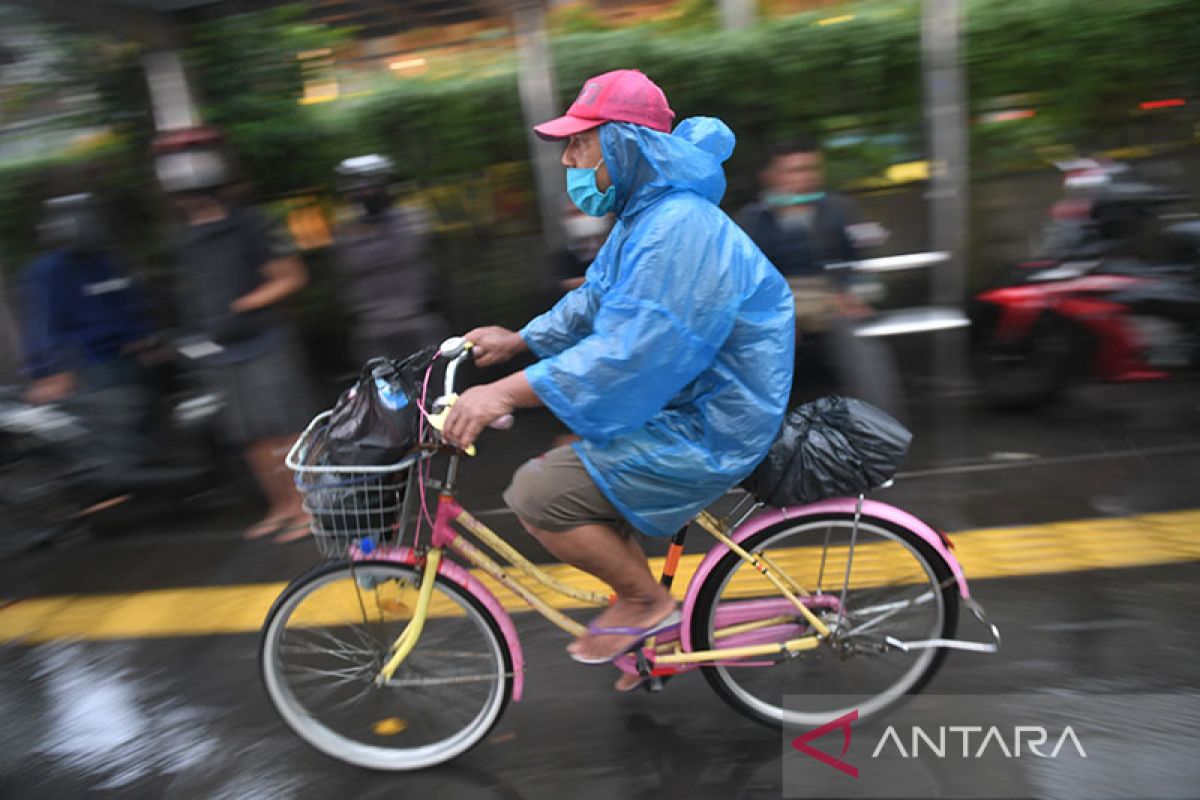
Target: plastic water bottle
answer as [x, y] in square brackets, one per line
[391, 397]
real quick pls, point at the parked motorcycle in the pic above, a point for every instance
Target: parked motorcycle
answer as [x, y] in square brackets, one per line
[1114, 294]
[60, 474]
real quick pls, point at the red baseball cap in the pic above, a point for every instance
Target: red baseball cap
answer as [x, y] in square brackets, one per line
[623, 95]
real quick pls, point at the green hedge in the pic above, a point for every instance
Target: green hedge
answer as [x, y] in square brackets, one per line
[1085, 64]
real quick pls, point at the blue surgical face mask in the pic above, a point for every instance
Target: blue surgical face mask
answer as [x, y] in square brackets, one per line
[581, 186]
[785, 200]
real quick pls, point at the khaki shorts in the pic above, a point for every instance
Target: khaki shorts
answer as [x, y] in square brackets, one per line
[555, 493]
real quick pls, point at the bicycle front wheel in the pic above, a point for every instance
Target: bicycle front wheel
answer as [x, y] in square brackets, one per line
[329, 634]
[896, 588]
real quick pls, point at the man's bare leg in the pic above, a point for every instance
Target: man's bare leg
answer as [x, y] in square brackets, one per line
[621, 563]
[285, 506]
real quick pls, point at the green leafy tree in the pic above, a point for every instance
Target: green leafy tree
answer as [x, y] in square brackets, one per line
[251, 82]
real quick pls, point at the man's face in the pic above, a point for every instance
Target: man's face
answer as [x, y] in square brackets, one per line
[583, 152]
[794, 173]
[374, 199]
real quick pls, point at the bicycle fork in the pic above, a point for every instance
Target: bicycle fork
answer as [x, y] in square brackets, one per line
[408, 637]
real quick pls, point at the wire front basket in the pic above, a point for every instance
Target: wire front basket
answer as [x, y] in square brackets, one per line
[353, 507]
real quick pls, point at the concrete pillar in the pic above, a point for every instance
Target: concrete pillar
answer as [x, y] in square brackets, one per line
[170, 94]
[738, 14]
[946, 126]
[949, 196]
[539, 102]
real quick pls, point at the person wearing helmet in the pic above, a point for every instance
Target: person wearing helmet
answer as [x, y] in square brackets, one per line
[84, 322]
[236, 274]
[82, 314]
[672, 361]
[388, 277]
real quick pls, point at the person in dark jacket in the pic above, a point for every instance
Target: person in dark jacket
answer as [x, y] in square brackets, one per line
[236, 274]
[803, 228]
[82, 314]
[389, 281]
[85, 321]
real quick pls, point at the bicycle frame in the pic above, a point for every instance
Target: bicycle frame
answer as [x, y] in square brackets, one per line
[670, 652]
[667, 654]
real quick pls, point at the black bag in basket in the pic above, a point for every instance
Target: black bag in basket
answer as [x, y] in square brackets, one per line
[375, 420]
[356, 505]
[831, 447]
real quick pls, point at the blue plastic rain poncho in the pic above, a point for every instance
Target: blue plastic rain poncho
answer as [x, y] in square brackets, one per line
[673, 360]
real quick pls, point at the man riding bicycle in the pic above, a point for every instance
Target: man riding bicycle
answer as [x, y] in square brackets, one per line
[672, 361]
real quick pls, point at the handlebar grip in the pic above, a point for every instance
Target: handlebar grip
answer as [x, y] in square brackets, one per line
[503, 423]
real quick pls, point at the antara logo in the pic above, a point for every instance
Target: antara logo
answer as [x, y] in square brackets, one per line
[801, 743]
[1028, 738]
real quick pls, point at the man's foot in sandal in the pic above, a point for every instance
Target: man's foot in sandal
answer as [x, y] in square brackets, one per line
[621, 627]
[628, 682]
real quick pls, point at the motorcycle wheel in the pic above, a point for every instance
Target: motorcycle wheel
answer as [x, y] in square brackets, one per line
[37, 503]
[1029, 373]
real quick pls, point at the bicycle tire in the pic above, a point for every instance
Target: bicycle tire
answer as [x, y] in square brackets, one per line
[374, 756]
[720, 679]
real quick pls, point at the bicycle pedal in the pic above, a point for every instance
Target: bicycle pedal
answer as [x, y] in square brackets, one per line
[642, 664]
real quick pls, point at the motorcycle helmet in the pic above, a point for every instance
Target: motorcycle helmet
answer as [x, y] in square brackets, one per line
[191, 160]
[364, 172]
[73, 223]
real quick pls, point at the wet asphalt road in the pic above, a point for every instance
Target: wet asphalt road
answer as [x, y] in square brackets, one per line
[186, 717]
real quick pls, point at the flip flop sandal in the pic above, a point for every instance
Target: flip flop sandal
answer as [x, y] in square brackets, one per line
[626, 688]
[262, 530]
[293, 533]
[672, 620]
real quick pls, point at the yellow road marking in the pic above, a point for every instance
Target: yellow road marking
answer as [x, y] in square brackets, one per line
[989, 553]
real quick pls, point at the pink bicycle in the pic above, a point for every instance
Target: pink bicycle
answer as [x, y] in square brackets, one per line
[393, 656]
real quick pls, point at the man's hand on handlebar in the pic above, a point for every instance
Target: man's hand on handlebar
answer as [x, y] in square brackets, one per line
[477, 408]
[494, 345]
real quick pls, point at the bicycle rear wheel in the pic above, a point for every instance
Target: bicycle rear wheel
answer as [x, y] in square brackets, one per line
[327, 637]
[898, 587]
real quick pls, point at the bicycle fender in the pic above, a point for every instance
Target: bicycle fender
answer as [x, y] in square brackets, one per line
[463, 577]
[841, 505]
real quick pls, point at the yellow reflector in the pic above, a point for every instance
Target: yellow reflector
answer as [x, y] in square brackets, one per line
[389, 727]
[393, 606]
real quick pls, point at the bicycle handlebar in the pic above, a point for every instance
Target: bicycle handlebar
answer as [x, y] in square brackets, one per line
[457, 349]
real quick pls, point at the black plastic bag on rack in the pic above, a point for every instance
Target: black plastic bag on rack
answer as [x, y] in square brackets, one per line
[831, 447]
[375, 421]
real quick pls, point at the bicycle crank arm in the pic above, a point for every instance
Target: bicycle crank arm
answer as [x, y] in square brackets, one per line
[956, 644]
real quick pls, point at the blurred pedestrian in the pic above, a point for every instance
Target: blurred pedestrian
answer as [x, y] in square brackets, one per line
[803, 228]
[390, 285]
[85, 323]
[236, 273]
[584, 236]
